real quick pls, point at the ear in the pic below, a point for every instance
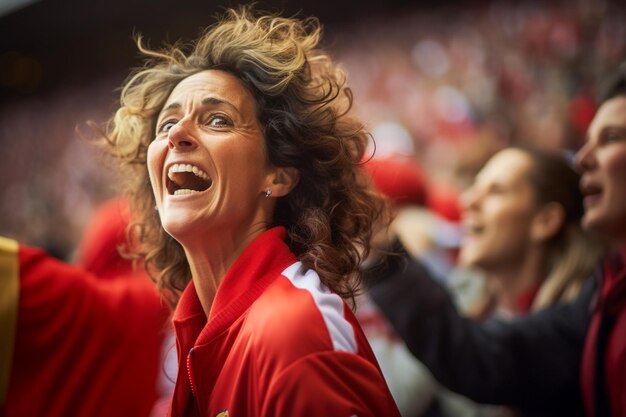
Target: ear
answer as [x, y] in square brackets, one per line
[547, 222]
[281, 180]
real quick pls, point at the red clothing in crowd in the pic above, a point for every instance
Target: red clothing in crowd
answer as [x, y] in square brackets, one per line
[104, 235]
[604, 357]
[276, 343]
[82, 346]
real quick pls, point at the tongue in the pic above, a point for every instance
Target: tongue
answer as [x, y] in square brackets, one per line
[190, 181]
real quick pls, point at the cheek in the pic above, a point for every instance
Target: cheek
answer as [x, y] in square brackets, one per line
[616, 172]
[510, 227]
[513, 233]
[244, 163]
[515, 209]
[504, 237]
[154, 161]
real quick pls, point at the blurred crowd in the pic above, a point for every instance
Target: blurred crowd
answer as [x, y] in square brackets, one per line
[53, 177]
[452, 85]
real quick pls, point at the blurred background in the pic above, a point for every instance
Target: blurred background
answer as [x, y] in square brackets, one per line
[444, 82]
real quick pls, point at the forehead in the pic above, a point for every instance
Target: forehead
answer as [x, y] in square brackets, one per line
[611, 113]
[507, 166]
[212, 83]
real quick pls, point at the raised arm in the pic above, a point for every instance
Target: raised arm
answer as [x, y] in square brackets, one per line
[532, 363]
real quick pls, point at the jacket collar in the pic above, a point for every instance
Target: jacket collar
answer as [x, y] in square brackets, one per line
[613, 283]
[256, 268]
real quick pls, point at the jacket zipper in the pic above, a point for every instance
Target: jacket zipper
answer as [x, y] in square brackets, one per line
[193, 391]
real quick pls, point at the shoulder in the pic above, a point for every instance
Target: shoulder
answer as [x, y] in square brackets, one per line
[44, 277]
[329, 383]
[49, 285]
[299, 311]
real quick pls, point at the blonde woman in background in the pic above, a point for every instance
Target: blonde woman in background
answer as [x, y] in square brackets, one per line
[522, 222]
[521, 218]
[522, 227]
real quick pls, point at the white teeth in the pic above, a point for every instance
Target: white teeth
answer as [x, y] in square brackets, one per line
[187, 168]
[185, 191]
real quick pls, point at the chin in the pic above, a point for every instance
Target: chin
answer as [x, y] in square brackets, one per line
[611, 227]
[592, 223]
[468, 259]
[176, 228]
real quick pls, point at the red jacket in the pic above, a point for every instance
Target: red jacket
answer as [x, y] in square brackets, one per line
[604, 358]
[82, 346]
[276, 343]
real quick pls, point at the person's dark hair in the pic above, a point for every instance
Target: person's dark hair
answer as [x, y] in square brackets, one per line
[616, 86]
[572, 253]
[554, 179]
[302, 103]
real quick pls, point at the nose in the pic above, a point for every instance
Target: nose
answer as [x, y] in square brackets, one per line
[469, 199]
[585, 157]
[180, 138]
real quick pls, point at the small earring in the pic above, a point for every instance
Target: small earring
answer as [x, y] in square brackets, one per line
[156, 208]
[268, 193]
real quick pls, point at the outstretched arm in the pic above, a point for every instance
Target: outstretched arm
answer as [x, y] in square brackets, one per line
[532, 363]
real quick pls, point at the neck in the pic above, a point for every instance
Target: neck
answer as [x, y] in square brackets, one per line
[513, 279]
[211, 258]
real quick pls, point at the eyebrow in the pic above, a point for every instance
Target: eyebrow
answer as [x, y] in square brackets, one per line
[171, 106]
[604, 129]
[208, 101]
[213, 101]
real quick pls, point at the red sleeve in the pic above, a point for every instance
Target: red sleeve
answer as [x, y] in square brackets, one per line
[330, 384]
[83, 346]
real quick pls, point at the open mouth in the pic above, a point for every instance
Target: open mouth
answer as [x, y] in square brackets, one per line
[473, 229]
[592, 198]
[591, 193]
[187, 179]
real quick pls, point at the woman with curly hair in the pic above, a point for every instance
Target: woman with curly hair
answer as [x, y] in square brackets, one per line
[245, 148]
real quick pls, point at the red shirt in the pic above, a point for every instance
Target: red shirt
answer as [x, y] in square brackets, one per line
[83, 346]
[277, 343]
[603, 375]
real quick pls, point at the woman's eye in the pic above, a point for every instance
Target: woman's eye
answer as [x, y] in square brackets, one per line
[166, 126]
[611, 136]
[496, 189]
[219, 121]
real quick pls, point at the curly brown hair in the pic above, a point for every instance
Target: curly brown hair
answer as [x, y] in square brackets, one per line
[302, 103]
